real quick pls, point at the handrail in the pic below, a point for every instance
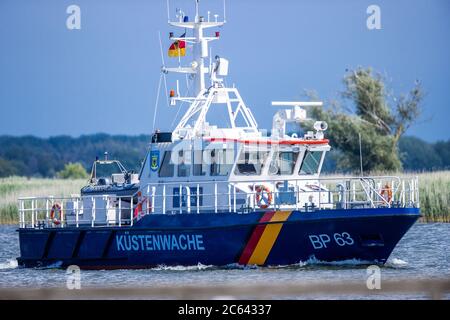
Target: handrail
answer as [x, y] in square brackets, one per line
[368, 189]
[238, 196]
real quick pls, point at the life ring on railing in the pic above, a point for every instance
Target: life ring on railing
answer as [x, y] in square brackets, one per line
[141, 200]
[55, 214]
[386, 193]
[263, 196]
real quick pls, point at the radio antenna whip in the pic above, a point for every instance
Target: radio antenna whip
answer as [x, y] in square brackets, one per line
[164, 65]
[168, 11]
[360, 154]
[156, 103]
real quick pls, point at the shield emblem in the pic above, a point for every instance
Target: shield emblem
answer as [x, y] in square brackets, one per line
[154, 160]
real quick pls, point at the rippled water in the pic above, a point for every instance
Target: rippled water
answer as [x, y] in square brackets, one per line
[422, 253]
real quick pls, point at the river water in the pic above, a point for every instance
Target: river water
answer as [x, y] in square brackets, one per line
[422, 254]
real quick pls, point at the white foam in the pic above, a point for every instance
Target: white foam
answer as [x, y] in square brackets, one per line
[238, 266]
[199, 266]
[312, 261]
[349, 262]
[9, 264]
[54, 265]
[395, 262]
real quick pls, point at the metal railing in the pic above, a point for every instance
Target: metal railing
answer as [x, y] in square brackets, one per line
[38, 212]
[220, 196]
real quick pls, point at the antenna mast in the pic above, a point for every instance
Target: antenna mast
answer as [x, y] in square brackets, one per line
[199, 43]
[360, 154]
[193, 123]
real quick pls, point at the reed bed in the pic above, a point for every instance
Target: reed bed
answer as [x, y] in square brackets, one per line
[434, 196]
[434, 189]
[15, 187]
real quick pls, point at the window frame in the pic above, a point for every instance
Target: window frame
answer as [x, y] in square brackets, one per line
[319, 164]
[167, 154]
[230, 166]
[277, 154]
[259, 154]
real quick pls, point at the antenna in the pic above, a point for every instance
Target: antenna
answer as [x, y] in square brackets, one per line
[224, 12]
[168, 11]
[157, 102]
[160, 49]
[210, 61]
[360, 154]
[196, 11]
[164, 64]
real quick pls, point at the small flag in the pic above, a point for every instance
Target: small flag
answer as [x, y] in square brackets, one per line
[178, 48]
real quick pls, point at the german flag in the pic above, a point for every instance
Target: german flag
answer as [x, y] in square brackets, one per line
[178, 48]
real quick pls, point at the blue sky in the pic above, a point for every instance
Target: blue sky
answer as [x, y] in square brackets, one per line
[104, 77]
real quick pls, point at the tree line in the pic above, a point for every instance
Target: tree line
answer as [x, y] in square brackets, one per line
[45, 157]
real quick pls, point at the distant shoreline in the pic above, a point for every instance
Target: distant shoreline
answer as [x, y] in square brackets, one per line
[43, 157]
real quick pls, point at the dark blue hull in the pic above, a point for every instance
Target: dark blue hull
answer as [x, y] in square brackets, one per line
[261, 238]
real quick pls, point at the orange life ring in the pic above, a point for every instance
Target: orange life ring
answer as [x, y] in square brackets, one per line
[55, 214]
[262, 201]
[138, 209]
[388, 192]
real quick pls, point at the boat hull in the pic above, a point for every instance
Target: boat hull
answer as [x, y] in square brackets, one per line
[220, 239]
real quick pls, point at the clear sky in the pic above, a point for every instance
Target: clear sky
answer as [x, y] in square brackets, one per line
[104, 77]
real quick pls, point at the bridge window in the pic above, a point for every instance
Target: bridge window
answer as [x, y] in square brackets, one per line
[199, 167]
[251, 163]
[311, 162]
[167, 167]
[283, 163]
[221, 162]
[184, 168]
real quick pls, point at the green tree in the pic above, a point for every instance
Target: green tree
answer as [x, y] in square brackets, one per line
[7, 168]
[73, 171]
[368, 109]
[417, 154]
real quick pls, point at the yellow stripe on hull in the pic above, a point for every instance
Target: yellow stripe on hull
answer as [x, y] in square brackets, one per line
[268, 238]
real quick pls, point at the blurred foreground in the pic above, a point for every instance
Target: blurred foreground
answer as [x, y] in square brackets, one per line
[398, 289]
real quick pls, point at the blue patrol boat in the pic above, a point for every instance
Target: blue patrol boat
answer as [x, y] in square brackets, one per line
[222, 194]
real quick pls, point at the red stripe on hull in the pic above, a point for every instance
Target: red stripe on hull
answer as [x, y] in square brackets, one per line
[256, 235]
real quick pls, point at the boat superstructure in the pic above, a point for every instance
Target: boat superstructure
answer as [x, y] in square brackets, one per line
[218, 190]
